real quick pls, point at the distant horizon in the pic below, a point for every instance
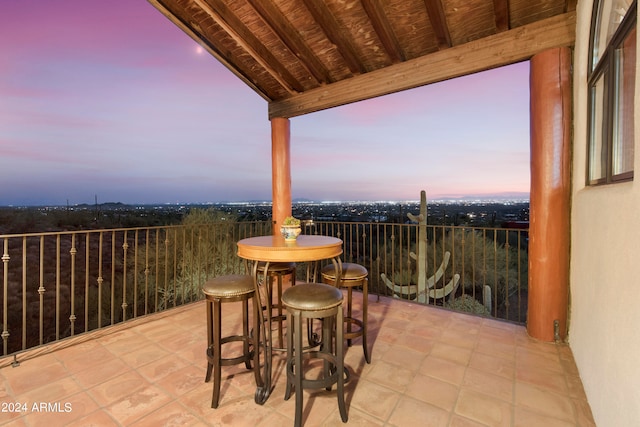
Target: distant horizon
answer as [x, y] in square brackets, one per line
[504, 196]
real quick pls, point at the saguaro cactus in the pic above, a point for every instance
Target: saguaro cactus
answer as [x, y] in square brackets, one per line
[424, 289]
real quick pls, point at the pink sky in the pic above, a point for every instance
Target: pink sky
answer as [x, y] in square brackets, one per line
[129, 109]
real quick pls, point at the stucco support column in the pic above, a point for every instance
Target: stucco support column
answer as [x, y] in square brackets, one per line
[549, 230]
[280, 171]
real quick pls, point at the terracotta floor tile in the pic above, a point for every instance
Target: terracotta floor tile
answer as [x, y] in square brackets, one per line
[404, 357]
[540, 400]
[459, 421]
[138, 404]
[14, 411]
[240, 412]
[145, 355]
[433, 391]
[429, 367]
[495, 349]
[54, 391]
[356, 418]
[460, 338]
[389, 375]
[442, 369]
[159, 369]
[173, 414]
[374, 399]
[62, 412]
[275, 419]
[410, 412]
[97, 418]
[451, 353]
[116, 388]
[95, 375]
[483, 409]
[422, 330]
[84, 355]
[182, 381]
[34, 373]
[486, 383]
[124, 341]
[584, 417]
[532, 360]
[542, 378]
[493, 365]
[416, 342]
[526, 418]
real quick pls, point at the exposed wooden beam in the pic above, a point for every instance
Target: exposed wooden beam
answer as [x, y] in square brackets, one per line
[438, 23]
[494, 51]
[288, 35]
[501, 10]
[327, 22]
[383, 30]
[221, 14]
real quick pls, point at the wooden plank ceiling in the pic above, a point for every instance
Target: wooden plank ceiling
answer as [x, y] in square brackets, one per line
[307, 55]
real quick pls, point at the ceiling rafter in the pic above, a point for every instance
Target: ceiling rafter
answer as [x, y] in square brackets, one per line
[221, 14]
[291, 38]
[329, 25]
[383, 30]
[438, 23]
[501, 10]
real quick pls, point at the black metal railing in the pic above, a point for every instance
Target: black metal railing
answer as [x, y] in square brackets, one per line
[61, 284]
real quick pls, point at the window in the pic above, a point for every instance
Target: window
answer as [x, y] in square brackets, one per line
[611, 80]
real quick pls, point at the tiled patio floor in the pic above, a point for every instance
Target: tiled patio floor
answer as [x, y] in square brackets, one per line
[430, 367]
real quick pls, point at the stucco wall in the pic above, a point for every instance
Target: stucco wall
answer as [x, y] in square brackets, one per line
[604, 331]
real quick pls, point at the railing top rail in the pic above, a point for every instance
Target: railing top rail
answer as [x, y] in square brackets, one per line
[106, 230]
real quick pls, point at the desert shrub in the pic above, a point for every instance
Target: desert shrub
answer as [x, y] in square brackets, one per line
[467, 304]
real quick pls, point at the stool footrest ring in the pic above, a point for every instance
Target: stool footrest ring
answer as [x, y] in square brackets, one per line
[229, 361]
[325, 382]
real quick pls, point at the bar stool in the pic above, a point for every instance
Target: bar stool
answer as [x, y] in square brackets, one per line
[352, 275]
[315, 301]
[277, 271]
[217, 291]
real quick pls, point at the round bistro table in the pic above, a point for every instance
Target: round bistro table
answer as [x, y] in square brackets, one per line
[272, 249]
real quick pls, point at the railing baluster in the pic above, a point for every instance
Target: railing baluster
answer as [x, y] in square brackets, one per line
[100, 278]
[175, 267]
[125, 247]
[41, 291]
[57, 287]
[87, 268]
[166, 269]
[24, 292]
[156, 280]
[495, 272]
[136, 249]
[5, 293]
[113, 277]
[506, 278]
[72, 316]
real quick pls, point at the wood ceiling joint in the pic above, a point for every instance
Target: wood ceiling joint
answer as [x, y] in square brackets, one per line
[383, 29]
[245, 39]
[501, 11]
[438, 20]
[325, 20]
[292, 39]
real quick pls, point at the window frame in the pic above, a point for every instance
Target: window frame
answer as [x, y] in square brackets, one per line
[604, 107]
